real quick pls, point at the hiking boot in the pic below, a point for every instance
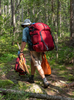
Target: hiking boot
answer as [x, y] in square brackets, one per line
[46, 84]
[30, 80]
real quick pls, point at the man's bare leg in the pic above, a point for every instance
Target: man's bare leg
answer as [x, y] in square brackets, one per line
[37, 63]
[41, 72]
[39, 68]
[33, 68]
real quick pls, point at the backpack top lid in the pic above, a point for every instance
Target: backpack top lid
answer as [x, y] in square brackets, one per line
[39, 26]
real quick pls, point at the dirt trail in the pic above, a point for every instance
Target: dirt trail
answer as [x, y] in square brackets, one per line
[56, 82]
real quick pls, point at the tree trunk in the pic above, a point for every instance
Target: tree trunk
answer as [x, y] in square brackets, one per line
[17, 11]
[22, 13]
[0, 7]
[34, 95]
[60, 19]
[9, 8]
[57, 17]
[45, 21]
[52, 10]
[71, 18]
[17, 7]
[57, 26]
[13, 19]
[6, 9]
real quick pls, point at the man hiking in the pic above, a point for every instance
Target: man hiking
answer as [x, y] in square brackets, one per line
[35, 56]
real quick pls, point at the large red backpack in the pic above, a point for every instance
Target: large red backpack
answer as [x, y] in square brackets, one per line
[41, 37]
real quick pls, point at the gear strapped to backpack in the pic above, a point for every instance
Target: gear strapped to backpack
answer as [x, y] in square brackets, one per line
[17, 67]
[41, 37]
[20, 65]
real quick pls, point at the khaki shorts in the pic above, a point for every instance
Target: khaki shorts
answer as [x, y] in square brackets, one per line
[35, 57]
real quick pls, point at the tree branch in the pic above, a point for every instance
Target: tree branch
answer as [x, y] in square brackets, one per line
[18, 6]
[35, 95]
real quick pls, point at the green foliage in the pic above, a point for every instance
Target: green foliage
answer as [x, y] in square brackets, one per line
[71, 78]
[6, 2]
[7, 52]
[1, 23]
[1, 97]
[7, 57]
[16, 97]
[5, 83]
[37, 10]
[67, 55]
[1, 18]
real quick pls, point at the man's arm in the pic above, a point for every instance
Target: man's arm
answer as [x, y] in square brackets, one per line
[23, 46]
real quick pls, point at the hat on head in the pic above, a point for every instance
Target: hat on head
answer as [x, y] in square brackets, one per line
[26, 22]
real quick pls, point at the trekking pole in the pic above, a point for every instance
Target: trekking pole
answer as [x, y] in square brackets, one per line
[18, 46]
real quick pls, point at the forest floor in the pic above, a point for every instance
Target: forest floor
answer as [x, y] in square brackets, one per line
[57, 82]
[61, 75]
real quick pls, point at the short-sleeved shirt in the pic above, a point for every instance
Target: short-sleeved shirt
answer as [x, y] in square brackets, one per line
[27, 38]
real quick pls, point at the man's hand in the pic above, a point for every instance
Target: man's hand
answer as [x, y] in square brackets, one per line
[20, 53]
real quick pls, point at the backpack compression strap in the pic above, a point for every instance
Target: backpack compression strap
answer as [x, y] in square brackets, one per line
[43, 40]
